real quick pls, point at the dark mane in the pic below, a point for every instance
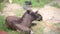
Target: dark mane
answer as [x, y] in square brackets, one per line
[27, 12]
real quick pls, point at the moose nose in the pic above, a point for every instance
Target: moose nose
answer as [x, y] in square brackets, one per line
[39, 19]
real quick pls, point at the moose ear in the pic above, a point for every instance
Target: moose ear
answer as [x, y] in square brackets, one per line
[28, 11]
[36, 12]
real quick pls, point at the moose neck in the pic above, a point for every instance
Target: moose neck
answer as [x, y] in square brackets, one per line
[27, 20]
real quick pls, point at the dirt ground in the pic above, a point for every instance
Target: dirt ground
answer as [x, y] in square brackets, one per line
[10, 8]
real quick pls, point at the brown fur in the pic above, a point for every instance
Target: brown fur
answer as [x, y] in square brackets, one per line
[23, 23]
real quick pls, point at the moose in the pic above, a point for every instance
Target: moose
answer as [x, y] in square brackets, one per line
[24, 23]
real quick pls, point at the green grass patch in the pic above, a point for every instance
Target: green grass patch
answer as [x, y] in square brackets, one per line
[2, 23]
[1, 7]
[40, 4]
[34, 2]
[19, 1]
[56, 5]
